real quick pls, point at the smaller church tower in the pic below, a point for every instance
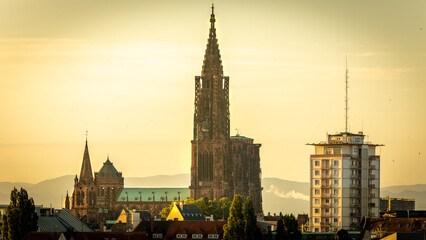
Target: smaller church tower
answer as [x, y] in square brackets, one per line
[109, 183]
[84, 197]
[67, 202]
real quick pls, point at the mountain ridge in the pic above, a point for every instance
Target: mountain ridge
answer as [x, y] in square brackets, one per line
[279, 195]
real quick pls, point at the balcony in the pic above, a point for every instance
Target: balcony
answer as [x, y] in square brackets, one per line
[354, 195]
[355, 176]
[354, 226]
[325, 205]
[326, 166]
[324, 214]
[371, 186]
[372, 196]
[326, 176]
[374, 157]
[372, 167]
[355, 204]
[372, 176]
[325, 185]
[325, 224]
[325, 195]
[354, 185]
[357, 214]
[371, 205]
[355, 167]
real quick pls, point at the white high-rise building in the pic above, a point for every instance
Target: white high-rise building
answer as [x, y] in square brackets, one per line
[345, 182]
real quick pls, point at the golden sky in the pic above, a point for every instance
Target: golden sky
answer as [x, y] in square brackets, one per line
[124, 71]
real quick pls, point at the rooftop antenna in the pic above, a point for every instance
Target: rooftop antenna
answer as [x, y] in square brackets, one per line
[346, 95]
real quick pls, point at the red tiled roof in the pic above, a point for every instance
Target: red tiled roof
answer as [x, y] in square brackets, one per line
[87, 235]
[195, 227]
[169, 229]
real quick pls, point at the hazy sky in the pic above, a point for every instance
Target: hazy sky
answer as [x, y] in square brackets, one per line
[124, 71]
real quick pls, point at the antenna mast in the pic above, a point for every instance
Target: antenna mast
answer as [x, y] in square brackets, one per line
[346, 96]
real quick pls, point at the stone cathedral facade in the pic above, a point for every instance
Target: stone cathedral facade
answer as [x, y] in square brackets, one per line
[222, 165]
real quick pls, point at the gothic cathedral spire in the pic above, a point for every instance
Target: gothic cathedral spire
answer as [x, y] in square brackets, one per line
[211, 115]
[221, 165]
[86, 175]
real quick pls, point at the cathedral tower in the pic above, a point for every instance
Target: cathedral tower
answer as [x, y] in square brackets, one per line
[221, 165]
[84, 195]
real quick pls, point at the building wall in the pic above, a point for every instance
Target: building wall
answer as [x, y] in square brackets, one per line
[344, 184]
[235, 170]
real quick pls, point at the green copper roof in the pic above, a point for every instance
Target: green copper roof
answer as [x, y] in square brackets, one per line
[134, 194]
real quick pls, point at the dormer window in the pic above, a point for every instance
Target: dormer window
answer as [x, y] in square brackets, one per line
[197, 236]
[181, 236]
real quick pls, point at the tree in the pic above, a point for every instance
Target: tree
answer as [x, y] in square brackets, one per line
[342, 234]
[224, 205]
[166, 211]
[288, 228]
[234, 228]
[219, 209]
[20, 218]
[281, 232]
[250, 227]
[292, 227]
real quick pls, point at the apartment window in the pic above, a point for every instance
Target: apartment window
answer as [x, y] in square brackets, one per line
[317, 173]
[335, 220]
[327, 200]
[334, 210]
[335, 201]
[317, 182]
[328, 151]
[336, 182]
[335, 172]
[317, 163]
[335, 191]
[317, 192]
[316, 201]
[316, 220]
[337, 150]
[316, 229]
[327, 210]
[316, 210]
[336, 163]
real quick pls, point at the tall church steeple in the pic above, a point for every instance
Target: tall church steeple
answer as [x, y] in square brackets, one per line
[212, 65]
[86, 174]
[211, 115]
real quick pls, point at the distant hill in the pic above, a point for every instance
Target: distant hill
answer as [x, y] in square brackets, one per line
[278, 195]
[417, 191]
[6, 187]
[285, 196]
